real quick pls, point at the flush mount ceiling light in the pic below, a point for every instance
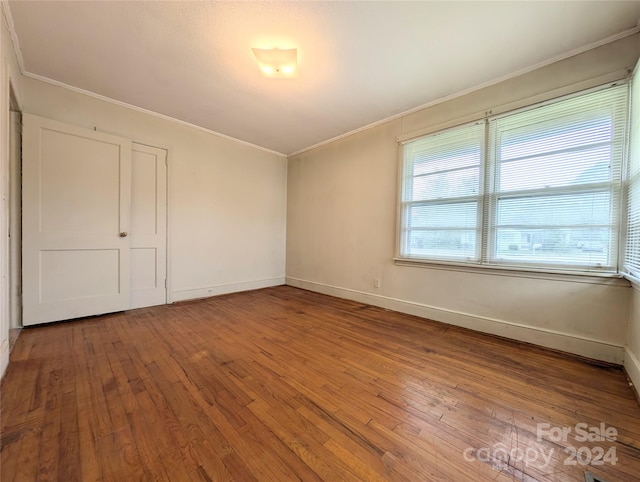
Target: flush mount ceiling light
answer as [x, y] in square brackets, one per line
[277, 63]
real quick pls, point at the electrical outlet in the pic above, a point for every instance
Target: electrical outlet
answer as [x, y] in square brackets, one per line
[376, 282]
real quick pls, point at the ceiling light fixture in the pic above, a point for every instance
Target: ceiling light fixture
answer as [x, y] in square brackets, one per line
[277, 63]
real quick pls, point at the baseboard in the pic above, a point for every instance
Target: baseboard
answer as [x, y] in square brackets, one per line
[632, 367]
[192, 294]
[566, 342]
[4, 357]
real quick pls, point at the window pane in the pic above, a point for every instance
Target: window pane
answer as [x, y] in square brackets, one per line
[632, 254]
[452, 215]
[564, 133]
[445, 157]
[558, 182]
[446, 185]
[441, 194]
[567, 246]
[557, 170]
[589, 208]
[447, 244]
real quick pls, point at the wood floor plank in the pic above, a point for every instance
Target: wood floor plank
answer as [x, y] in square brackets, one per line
[284, 384]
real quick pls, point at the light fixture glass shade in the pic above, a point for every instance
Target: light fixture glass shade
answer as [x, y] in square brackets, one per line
[280, 63]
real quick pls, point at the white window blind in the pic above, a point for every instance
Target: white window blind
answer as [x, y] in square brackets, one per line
[544, 191]
[632, 252]
[557, 182]
[441, 195]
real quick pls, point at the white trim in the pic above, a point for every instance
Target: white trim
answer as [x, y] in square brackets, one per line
[412, 137]
[16, 50]
[400, 174]
[192, 294]
[570, 276]
[517, 73]
[14, 35]
[632, 367]
[558, 340]
[78, 90]
[4, 357]
[169, 275]
[635, 282]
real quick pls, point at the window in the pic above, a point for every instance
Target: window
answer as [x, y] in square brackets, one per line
[538, 188]
[632, 255]
[442, 194]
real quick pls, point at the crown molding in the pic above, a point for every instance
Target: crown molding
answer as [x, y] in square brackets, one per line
[14, 37]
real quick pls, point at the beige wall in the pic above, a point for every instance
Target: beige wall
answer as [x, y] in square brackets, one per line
[227, 200]
[632, 352]
[341, 227]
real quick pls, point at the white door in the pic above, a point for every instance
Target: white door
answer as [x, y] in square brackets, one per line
[76, 210]
[148, 226]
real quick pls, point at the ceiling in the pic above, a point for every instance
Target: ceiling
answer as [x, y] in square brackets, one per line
[359, 62]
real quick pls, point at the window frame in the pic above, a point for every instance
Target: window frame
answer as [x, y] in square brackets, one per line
[402, 206]
[630, 268]
[486, 260]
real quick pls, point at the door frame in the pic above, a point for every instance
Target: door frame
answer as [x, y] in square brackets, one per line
[167, 148]
[9, 100]
[15, 218]
[167, 204]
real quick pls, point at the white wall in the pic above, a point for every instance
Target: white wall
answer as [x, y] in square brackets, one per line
[341, 227]
[227, 200]
[9, 78]
[632, 349]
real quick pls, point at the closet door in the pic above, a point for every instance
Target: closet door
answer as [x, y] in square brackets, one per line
[76, 220]
[148, 226]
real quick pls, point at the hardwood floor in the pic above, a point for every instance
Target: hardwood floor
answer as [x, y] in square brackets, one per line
[283, 384]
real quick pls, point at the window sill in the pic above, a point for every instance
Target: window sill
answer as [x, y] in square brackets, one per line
[635, 281]
[573, 276]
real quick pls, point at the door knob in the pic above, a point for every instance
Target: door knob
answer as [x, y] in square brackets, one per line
[123, 234]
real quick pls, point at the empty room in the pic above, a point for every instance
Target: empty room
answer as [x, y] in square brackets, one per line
[320, 240]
